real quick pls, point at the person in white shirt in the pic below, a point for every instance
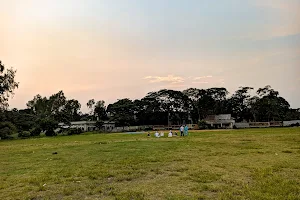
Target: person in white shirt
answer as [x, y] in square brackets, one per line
[170, 134]
[181, 130]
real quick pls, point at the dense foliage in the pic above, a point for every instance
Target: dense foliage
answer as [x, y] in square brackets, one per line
[157, 108]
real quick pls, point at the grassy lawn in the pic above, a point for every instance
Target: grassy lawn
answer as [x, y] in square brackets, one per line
[230, 164]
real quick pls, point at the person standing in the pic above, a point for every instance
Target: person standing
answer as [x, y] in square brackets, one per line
[181, 130]
[186, 130]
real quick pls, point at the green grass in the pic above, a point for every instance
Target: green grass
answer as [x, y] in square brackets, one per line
[230, 164]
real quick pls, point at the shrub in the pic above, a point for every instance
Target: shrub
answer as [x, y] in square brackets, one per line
[35, 131]
[74, 131]
[202, 124]
[7, 129]
[24, 134]
[148, 129]
[50, 133]
[47, 124]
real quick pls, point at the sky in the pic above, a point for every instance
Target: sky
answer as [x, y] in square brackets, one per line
[113, 49]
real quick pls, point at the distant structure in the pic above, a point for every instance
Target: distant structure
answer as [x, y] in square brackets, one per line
[220, 121]
[88, 125]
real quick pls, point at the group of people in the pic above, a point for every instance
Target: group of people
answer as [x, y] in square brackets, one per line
[183, 132]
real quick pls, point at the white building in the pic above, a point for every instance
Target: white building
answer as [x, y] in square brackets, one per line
[220, 121]
[88, 125]
[289, 123]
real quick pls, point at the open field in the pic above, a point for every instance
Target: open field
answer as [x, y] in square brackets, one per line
[229, 164]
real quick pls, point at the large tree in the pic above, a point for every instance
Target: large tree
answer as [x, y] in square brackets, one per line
[239, 103]
[100, 110]
[7, 85]
[270, 106]
[122, 112]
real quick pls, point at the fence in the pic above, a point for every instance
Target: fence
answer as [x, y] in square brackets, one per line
[267, 124]
[151, 127]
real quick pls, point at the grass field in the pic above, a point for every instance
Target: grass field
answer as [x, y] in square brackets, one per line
[230, 164]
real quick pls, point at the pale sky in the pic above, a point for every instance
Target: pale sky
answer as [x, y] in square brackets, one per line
[113, 49]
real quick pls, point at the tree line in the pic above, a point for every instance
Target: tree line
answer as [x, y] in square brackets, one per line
[163, 107]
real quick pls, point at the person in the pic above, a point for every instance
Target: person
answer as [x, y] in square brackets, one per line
[162, 134]
[156, 134]
[181, 130]
[186, 130]
[148, 134]
[170, 134]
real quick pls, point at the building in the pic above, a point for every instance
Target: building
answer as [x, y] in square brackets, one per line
[88, 125]
[220, 121]
[290, 123]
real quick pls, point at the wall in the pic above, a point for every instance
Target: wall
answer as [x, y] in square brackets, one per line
[289, 123]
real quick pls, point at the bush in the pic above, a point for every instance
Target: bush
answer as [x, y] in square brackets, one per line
[35, 132]
[202, 124]
[47, 124]
[7, 129]
[74, 131]
[24, 134]
[148, 129]
[50, 133]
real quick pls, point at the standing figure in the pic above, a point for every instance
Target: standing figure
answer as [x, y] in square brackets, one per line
[186, 130]
[181, 130]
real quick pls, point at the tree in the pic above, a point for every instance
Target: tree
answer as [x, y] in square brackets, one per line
[7, 85]
[22, 119]
[100, 110]
[70, 111]
[271, 106]
[39, 106]
[56, 107]
[239, 103]
[217, 96]
[90, 104]
[48, 125]
[205, 102]
[122, 112]
[56, 103]
[201, 102]
[174, 104]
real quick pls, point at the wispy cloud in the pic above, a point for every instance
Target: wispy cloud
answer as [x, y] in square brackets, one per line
[199, 82]
[170, 79]
[202, 77]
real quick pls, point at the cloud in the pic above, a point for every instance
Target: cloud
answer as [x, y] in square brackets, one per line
[199, 82]
[202, 77]
[169, 79]
[214, 81]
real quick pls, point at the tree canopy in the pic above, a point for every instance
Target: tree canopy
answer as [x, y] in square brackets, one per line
[7, 85]
[156, 108]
